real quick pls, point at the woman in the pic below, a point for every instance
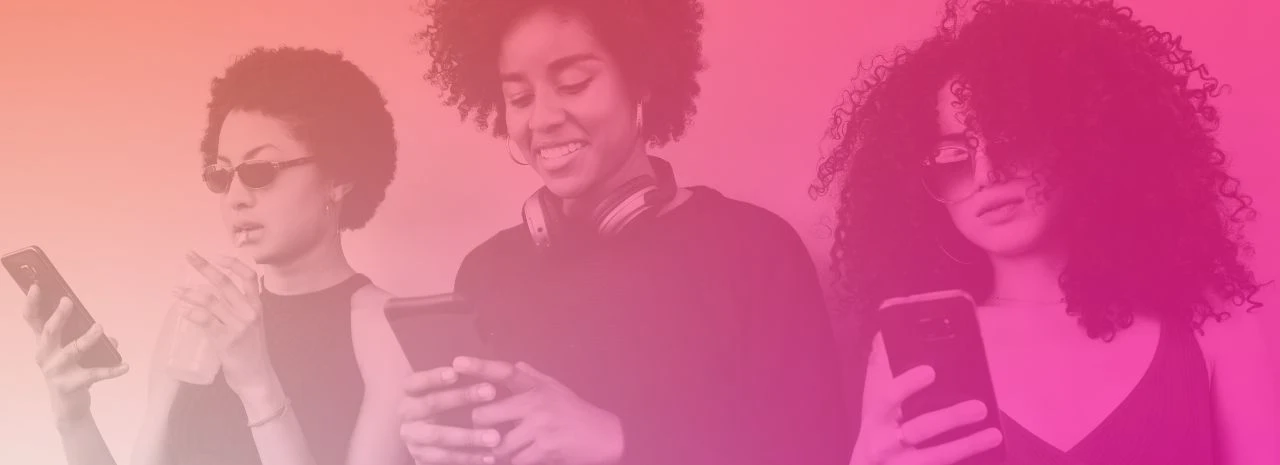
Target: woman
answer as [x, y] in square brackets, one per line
[304, 352]
[1056, 160]
[652, 323]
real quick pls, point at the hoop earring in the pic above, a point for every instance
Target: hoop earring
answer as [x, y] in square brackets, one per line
[513, 155]
[948, 253]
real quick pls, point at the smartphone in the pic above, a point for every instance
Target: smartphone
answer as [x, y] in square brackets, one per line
[30, 265]
[432, 331]
[940, 329]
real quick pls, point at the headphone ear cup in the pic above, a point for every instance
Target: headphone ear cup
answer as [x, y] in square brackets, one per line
[541, 215]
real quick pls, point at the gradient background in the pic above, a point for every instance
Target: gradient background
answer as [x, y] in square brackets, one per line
[102, 108]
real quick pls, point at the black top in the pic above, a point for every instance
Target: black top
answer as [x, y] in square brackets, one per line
[309, 342]
[704, 330]
[1165, 420]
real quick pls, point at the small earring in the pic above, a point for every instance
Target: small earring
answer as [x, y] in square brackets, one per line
[513, 155]
[639, 118]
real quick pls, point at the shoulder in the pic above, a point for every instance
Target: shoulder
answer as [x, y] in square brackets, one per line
[738, 222]
[495, 252]
[1239, 334]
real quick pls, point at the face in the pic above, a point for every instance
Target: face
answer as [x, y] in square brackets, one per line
[567, 106]
[1004, 216]
[286, 217]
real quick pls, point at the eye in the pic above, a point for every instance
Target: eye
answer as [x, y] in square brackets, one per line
[521, 100]
[575, 88]
[951, 154]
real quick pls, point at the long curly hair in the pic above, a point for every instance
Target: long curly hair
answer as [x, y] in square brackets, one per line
[658, 44]
[1115, 115]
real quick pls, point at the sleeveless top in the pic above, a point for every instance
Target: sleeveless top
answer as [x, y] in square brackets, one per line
[1165, 420]
[309, 342]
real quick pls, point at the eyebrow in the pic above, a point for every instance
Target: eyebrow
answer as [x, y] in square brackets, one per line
[251, 154]
[555, 67]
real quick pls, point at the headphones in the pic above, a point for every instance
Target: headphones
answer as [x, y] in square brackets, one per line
[641, 197]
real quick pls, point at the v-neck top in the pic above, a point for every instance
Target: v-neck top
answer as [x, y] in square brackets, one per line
[1166, 419]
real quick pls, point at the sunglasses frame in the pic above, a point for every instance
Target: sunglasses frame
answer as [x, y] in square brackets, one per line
[276, 166]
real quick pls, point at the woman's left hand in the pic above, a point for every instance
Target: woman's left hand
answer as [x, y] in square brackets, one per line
[232, 318]
[553, 425]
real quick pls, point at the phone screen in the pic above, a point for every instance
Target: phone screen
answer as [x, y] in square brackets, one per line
[432, 331]
[29, 266]
[941, 330]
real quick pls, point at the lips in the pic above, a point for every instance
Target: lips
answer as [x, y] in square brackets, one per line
[998, 204]
[557, 155]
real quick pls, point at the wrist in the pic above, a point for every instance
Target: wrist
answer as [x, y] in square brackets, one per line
[73, 423]
[262, 401]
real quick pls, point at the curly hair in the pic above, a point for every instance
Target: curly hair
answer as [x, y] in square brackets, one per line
[657, 43]
[1116, 117]
[334, 109]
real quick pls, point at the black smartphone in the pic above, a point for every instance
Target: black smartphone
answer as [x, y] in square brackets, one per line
[30, 265]
[432, 331]
[940, 329]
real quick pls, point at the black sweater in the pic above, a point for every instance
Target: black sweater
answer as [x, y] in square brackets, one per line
[704, 330]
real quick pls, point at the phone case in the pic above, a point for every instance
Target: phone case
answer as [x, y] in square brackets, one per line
[940, 329]
[30, 264]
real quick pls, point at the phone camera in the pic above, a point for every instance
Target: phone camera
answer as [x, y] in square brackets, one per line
[27, 272]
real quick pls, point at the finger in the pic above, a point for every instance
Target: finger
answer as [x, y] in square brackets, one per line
[209, 301]
[71, 353]
[904, 386]
[82, 379]
[957, 450]
[51, 334]
[223, 287]
[114, 342]
[532, 455]
[243, 273]
[520, 438]
[924, 427]
[426, 434]
[434, 379]
[201, 317]
[435, 403]
[496, 372]
[31, 310]
[428, 455]
[534, 373]
[511, 409]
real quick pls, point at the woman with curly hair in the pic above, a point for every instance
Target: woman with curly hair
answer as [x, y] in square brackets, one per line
[667, 324]
[299, 148]
[1057, 161]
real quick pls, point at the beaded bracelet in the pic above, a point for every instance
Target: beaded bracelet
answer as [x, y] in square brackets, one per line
[275, 415]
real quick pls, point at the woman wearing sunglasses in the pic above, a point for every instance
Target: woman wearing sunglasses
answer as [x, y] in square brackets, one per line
[1057, 161]
[309, 371]
[654, 324]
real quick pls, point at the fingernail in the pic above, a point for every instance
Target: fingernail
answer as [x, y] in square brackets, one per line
[992, 437]
[461, 362]
[485, 392]
[449, 376]
[490, 438]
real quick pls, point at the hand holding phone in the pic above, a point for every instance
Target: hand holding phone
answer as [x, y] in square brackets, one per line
[929, 397]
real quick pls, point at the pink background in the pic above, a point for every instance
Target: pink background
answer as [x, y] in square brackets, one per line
[101, 110]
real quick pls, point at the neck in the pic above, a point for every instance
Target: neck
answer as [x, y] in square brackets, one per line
[321, 267]
[1030, 278]
[635, 166]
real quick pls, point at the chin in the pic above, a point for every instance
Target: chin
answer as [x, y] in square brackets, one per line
[1009, 240]
[567, 187]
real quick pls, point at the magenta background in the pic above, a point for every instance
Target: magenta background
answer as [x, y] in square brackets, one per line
[101, 108]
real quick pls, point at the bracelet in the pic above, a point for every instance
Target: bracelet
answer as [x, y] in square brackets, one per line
[275, 415]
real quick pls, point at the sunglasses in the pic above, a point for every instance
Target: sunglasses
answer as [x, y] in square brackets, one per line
[951, 174]
[254, 174]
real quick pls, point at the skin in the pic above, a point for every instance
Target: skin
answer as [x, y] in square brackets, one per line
[1039, 358]
[298, 250]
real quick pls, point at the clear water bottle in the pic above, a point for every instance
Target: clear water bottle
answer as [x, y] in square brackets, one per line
[190, 355]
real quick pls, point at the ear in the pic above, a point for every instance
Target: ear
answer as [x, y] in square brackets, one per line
[339, 192]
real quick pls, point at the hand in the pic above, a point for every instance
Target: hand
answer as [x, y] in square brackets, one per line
[553, 425]
[885, 439]
[233, 320]
[430, 394]
[67, 381]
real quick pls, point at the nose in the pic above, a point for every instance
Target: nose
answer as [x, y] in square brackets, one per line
[985, 172]
[548, 113]
[237, 197]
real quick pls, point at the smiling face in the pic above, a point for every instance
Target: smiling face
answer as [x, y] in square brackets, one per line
[1001, 213]
[567, 105]
[287, 217]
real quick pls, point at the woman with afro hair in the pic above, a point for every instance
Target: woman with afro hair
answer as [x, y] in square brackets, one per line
[651, 323]
[1056, 160]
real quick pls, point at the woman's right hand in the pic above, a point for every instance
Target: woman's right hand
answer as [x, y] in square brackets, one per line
[67, 381]
[885, 439]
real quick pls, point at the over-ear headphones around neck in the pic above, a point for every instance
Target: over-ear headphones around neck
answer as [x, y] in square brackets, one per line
[639, 198]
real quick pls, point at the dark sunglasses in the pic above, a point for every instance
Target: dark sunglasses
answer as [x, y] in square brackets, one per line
[951, 174]
[254, 174]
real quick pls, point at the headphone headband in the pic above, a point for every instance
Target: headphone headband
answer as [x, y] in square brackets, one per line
[638, 198]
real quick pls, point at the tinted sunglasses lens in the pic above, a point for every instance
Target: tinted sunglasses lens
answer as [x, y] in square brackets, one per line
[950, 181]
[218, 179]
[257, 175]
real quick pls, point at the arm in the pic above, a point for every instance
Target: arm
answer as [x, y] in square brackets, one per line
[1246, 395]
[376, 438]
